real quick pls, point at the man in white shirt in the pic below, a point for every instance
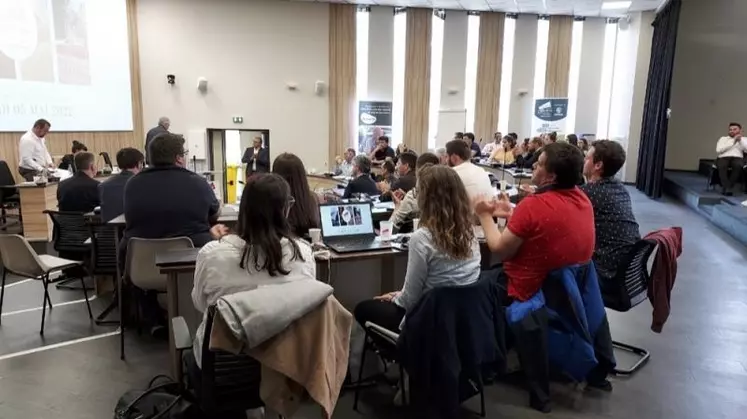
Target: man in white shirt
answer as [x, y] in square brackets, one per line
[730, 151]
[475, 179]
[491, 147]
[32, 151]
[345, 168]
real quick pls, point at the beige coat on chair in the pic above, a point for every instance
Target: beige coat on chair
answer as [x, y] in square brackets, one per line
[309, 356]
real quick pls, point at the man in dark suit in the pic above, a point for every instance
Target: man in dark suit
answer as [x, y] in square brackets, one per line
[257, 159]
[163, 126]
[111, 192]
[80, 193]
[362, 182]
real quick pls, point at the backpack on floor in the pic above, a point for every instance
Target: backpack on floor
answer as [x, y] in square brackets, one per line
[167, 400]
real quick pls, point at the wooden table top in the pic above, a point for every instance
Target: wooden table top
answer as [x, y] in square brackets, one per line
[228, 215]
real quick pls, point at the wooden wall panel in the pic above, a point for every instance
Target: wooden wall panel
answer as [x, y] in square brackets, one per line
[59, 143]
[417, 78]
[342, 79]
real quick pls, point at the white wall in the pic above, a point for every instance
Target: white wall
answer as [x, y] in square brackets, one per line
[247, 50]
[380, 52]
[522, 107]
[590, 76]
[708, 83]
[454, 58]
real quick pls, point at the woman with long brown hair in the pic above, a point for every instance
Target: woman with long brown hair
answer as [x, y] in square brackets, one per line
[443, 251]
[304, 214]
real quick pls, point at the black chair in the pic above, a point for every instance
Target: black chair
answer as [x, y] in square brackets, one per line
[628, 289]
[70, 235]
[107, 159]
[104, 260]
[714, 179]
[384, 344]
[227, 384]
[9, 197]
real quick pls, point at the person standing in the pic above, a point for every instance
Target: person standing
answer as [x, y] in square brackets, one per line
[33, 155]
[730, 151]
[257, 158]
[163, 126]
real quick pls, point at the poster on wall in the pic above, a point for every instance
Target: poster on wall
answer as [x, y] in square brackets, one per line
[372, 114]
[550, 114]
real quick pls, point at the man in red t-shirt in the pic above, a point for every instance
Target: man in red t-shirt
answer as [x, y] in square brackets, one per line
[550, 229]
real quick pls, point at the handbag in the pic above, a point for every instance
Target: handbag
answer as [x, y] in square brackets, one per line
[167, 400]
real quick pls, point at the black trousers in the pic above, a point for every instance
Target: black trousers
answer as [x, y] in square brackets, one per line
[728, 180]
[384, 313]
[27, 174]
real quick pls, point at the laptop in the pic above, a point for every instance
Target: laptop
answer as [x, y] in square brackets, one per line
[348, 227]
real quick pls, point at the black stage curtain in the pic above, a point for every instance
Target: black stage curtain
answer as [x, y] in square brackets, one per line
[652, 153]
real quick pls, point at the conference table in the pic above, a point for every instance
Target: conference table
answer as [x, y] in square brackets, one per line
[512, 175]
[355, 277]
[34, 199]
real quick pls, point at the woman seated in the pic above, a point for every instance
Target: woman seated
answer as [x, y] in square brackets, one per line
[68, 160]
[506, 153]
[387, 172]
[304, 214]
[263, 251]
[442, 252]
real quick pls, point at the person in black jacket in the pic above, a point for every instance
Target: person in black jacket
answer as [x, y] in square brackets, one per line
[80, 193]
[68, 160]
[362, 182]
[257, 159]
[533, 152]
[111, 192]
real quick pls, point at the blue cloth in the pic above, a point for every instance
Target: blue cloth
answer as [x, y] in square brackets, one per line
[575, 313]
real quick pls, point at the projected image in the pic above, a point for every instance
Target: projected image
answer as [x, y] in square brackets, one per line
[71, 41]
[346, 216]
[29, 51]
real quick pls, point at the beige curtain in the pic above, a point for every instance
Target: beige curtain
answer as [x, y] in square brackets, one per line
[417, 78]
[342, 74]
[489, 61]
[558, 56]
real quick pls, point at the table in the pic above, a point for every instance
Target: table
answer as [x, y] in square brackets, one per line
[317, 182]
[512, 175]
[179, 265]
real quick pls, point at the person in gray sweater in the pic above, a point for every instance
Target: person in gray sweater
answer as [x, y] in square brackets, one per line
[443, 252]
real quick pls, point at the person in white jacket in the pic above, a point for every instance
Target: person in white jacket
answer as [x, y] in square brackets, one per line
[262, 252]
[730, 154]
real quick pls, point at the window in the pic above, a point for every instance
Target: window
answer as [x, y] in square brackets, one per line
[507, 72]
[470, 81]
[574, 74]
[361, 53]
[540, 59]
[608, 73]
[398, 87]
[437, 53]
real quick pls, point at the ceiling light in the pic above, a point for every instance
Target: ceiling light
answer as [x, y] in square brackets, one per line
[616, 5]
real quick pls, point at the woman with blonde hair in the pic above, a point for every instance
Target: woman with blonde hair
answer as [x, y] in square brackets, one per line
[443, 252]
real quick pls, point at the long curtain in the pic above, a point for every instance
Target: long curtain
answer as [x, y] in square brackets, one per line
[489, 63]
[652, 153]
[559, 56]
[417, 78]
[342, 79]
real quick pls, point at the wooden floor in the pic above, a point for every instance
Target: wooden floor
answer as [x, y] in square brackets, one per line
[698, 367]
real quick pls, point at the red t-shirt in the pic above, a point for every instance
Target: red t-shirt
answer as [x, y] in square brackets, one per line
[557, 227]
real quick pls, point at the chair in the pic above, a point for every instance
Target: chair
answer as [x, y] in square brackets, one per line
[142, 272]
[714, 179]
[226, 383]
[70, 236]
[104, 260]
[107, 159]
[384, 343]
[626, 290]
[19, 258]
[9, 197]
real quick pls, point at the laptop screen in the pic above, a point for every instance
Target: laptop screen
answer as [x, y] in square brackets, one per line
[346, 219]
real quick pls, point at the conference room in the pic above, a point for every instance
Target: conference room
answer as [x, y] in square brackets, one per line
[384, 154]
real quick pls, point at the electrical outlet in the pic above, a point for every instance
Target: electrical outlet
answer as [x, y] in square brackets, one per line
[238, 119]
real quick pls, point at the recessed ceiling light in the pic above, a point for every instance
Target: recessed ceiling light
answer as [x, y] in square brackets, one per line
[616, 5]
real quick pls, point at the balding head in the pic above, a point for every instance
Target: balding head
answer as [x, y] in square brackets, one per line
[165, 122]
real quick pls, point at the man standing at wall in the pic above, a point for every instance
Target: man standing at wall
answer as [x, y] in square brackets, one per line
[730, 151]
[163, 126]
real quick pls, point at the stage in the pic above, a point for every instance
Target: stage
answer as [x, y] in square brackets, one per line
[726, 212]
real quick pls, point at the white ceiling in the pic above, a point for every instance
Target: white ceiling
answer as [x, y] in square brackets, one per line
[544, 7]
